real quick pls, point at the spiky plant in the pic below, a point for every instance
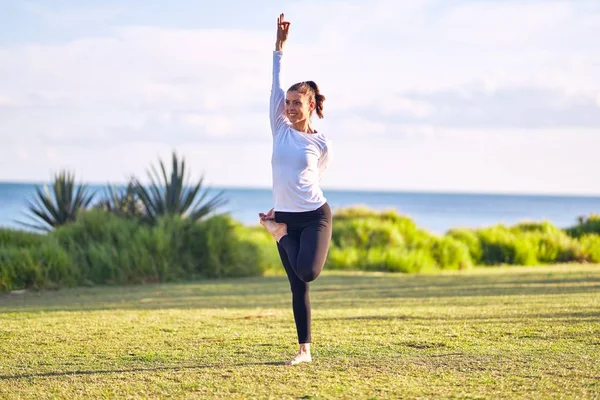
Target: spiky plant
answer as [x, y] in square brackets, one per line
[51, 208]
[123, 202]
[171, 194]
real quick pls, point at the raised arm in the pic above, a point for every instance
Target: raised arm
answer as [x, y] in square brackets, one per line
[277, 107]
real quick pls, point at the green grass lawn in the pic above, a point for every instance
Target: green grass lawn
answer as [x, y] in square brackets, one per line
[489, 333]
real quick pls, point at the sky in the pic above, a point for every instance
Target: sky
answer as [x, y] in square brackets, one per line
[422, 95]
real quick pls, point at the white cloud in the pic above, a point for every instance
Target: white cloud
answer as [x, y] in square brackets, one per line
[416, 108]
[8, 101]
[357, 128]
[546, 161]
[504, 24]
[213, 125]
[74, 17]
[397, 74]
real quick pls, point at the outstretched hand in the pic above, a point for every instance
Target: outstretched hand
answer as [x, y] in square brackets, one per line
[282, 32]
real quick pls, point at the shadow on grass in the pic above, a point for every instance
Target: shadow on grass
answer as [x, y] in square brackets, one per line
[125, 371]
[558, 316]
[337, 290]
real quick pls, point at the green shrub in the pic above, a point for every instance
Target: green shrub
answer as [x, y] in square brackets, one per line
[57, 266]
[528, 244]
[258, 237]
[344, 258]
[362, 212]
[470, 239]
[499, 245]
[20, 268]
[223, 252]
[105, 248]
[525, 250]
[19, 238]
[450, 253]
[590, 247]
[366, 233]
[47, 265]
[96, 226]
[402, 260]
[381, 259]
[544, 227]
[110, 249]
[386, 241]
[406, 226]
[558, 247]
[97, 243]
[585, 225]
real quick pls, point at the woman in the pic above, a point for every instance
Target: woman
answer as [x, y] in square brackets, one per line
[300, 220]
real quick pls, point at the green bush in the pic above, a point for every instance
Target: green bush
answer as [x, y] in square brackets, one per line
[590, 247]
[499, 245]
[381, 259]
[20, 269]
[344, 258]
[366, 233]
[102, 248]
[401, 260]
[525, 250]
[450, 253]
[402, 224]
[19, 238]
[105, 248]
[223, 253]
[45, 266]
[386, 241]
[585, 225]
[558, 247]
[496, 246]
[258, 237]
[545, 227]
[362, 212]
[57, 267]
[470, 239]
[99, 244]
[525, 244]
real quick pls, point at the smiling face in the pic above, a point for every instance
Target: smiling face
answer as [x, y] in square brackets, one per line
[298, 106]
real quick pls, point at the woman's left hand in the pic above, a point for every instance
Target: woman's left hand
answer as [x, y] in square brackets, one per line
[269, 215]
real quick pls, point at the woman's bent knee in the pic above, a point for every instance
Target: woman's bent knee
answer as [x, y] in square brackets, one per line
[308, 275]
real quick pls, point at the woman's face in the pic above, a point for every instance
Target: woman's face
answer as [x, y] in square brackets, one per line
[298, 106]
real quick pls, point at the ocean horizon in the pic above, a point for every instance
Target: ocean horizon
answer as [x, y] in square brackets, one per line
[434, 211]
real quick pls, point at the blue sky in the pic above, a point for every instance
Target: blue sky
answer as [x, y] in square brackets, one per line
[461, 96]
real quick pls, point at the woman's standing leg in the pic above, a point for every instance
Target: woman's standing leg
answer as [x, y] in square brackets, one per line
[300, 299]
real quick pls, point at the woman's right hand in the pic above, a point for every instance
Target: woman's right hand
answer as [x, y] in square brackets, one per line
[282, 32]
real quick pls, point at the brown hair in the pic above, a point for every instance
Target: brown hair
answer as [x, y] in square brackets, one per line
[310, 88]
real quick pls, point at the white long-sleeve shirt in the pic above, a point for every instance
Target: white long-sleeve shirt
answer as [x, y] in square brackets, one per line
[299, 159]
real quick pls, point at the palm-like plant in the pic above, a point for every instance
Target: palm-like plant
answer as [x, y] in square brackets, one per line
[172, 195]
[122, 202]
[51, 209]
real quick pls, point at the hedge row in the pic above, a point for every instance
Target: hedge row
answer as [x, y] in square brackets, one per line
[101, 248]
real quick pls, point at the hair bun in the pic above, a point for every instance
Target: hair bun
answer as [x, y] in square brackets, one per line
[313, 86]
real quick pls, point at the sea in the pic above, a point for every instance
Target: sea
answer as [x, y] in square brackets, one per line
[435, 212]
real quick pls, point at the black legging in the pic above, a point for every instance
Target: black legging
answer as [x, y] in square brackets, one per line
[303, 252]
